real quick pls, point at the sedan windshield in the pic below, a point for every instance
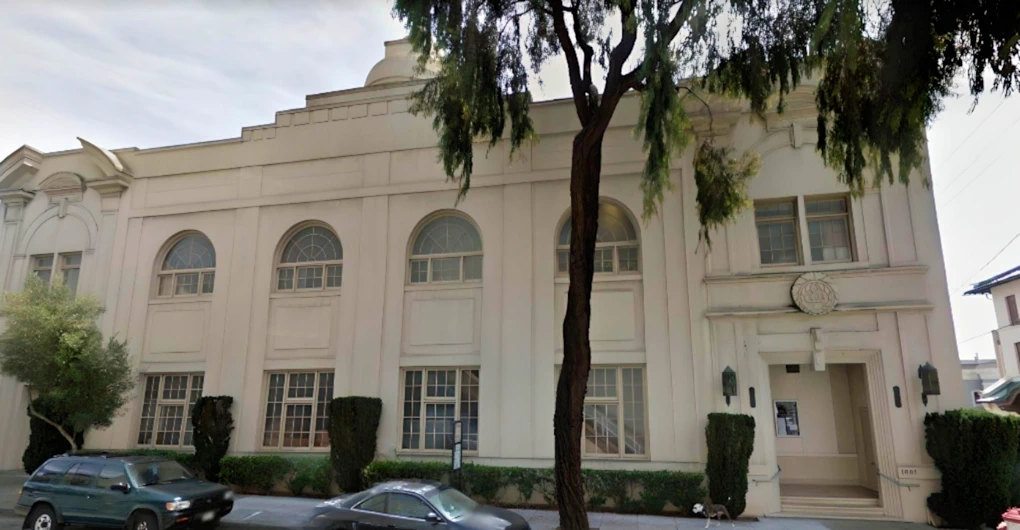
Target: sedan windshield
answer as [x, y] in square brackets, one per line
[454, 504]
[151, 473]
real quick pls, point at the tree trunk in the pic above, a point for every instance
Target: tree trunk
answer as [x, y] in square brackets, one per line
[55, 425]
[585, 172]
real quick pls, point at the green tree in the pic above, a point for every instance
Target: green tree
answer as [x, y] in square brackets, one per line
[885, 65]
[52, 344]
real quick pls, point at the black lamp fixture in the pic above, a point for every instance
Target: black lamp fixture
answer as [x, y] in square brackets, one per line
[729, 383]
[929, 381]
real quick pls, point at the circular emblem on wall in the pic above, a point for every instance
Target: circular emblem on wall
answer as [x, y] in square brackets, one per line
[814, 294]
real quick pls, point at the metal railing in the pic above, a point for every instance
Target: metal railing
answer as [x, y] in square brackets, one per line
[770, 479]
[897, 482]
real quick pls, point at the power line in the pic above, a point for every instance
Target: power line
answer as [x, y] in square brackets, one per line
[974, 337]
[971, 181]
[987, 263]
[979, 155]
[971, 133]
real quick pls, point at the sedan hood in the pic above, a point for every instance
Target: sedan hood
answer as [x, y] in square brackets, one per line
[492, 518]
[188, 489]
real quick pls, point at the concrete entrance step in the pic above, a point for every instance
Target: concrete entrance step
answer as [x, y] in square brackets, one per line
[830, 508]
[833, 502]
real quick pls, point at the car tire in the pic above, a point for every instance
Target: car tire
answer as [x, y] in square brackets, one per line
[143, 521]
[42, 517]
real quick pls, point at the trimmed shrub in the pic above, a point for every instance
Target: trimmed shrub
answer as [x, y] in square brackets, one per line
[976, 451]
[353, 430]
[212, 424]
[730, 440]
[311, 473]
[614, 490]
[254, 474]
[44, 441]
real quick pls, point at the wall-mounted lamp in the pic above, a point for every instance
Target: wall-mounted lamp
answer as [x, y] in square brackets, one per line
[929, 381]
[729, 383]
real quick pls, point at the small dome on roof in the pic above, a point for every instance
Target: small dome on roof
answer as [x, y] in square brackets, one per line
[397, 66]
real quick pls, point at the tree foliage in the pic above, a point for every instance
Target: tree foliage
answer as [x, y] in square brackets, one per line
[53, 345]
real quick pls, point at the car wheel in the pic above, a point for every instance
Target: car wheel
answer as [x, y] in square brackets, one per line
[144, 521]
[42, 517]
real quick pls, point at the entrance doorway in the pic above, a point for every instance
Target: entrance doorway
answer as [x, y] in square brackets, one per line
[825, 443]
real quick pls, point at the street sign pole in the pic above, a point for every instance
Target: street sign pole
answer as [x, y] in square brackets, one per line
[457, 458]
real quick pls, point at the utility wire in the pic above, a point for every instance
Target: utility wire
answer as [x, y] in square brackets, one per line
[974, 337]
[971, 181]
[971, 133]
[979, 155]
[987, 263]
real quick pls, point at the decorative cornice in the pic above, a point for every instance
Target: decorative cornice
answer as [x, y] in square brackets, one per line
[744, 312]
[108, 163]
[110, 187]
[9, 197]
[792, 275]
[23, 162]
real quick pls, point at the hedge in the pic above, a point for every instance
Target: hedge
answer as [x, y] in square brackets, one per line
[976, 452]
[314, 474]
[44, 441]
[353, 430]
[254, 474]
[730, 439]
[616, 490]
[212, 424]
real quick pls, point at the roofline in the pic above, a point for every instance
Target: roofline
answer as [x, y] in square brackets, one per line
[985, 286]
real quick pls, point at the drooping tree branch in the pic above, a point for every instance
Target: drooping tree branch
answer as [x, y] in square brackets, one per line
[51, 423]
[577, 86]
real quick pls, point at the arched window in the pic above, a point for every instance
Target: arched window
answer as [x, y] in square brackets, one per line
[616, 244]
[189, 267]
[312, 259]
[447, 249]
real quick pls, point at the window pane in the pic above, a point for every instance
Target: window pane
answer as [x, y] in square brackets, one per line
[469, 408]
[614, 225]
[446, 269]
[301, 386]
[412, 410]
[375, 504]
[187, 284]
[208, 280]
[600, 429]
[774, 210]
[175, 387]
[442, 383]
[297, 428]
[191, 252]
[43, 262]
[628, 259]
[604, 259]
[407, 506]
[274, 411]
[633, 411]
[563, 260]
[830, 239]
[171, 419]
[148, 416]
[71, 279]
[334, 275]
[447, 235]
[439, 425]
[419, 271]
[777, 242]
[309, 278]
[44, 274]
[71, 260]
[194, 393]
[313, 243]
[472, 267]
[285, 279]
[325, 395]
[825, 206]
[166, 283]
[110, 475]
[602, 383]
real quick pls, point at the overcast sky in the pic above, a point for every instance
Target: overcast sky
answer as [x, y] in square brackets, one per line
[147, 74]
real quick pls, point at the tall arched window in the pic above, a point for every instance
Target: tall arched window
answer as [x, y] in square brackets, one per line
[616, 244]
[312, 259]
[189, 267]
[447, 249]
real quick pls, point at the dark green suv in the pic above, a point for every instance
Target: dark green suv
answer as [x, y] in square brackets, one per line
[134, 492]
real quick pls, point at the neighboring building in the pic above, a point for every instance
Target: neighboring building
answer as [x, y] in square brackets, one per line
[325, 254]
[978, 374]
[1003, 290]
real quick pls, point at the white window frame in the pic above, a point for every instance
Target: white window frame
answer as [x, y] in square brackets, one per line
[431, 258]
[173, 275]
[847, 218]
[192, 389]
[425, 400]
[313, 401]
[323, 265]
[564, 250]
[775, 418]
[58, 268]
[618, 400]
[776, 220]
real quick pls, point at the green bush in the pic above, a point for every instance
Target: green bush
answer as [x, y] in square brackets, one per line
[44, 441]
[976, 451]
[212, 424]
[730, 440]
[312, 473]
[254, 474]
[628, 491]
[353, 430]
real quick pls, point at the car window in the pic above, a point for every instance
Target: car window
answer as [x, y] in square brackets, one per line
[82, 475]
[69, 475]
[51, 472]
[110, 475]
[374, 504]
[407, 506]
[158, 472]
[452, 503]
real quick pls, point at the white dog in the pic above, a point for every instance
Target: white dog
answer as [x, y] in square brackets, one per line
[711, 511]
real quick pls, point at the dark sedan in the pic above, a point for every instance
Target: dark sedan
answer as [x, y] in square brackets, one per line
[412, 505]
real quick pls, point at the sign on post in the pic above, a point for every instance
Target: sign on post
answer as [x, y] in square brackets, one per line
[457, 457]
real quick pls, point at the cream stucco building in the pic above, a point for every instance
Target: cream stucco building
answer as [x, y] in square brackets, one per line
[324, 254]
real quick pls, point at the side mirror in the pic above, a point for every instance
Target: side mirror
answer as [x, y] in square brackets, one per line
[433, 518]
[121, 487]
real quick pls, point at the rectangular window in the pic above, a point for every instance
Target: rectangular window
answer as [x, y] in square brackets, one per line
[563, 260]
[309, 278]
[435, 398]
[777, 232]
[285, 280]
[445, 269]
[1014, 318]
[628, 259]
[70, 266]
[208, 279]
[186, 284]
[614, 412]
[787, 419]
[828, 223]
[334, 275]
[42, 266]
[604, 259]
[297, 409]
[166, 409]
[420, 271]
[472, 267]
